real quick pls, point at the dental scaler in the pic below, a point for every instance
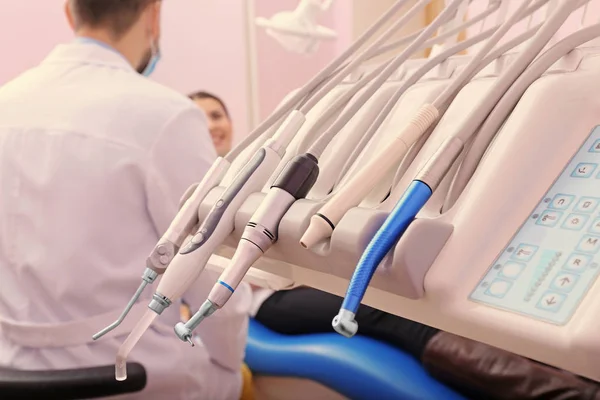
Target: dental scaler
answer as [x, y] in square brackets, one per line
[294, 183]
[430, 176]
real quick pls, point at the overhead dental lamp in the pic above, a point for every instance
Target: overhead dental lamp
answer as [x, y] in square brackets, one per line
[298, 31]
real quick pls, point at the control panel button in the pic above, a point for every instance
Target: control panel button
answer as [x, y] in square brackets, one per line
[577, 262]
[549, 218]
[575, 222]
[595, 147]
[564, 282]
[498, 288]
[551, 301]
[584, 170]
[587, 205]
[162, 250]
[524, 252]
[511, 269]
[589, 244]
[198, 238]
[595, 228]
[562, 201]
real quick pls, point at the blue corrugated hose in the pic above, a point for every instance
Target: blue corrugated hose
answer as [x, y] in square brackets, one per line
[415, 197]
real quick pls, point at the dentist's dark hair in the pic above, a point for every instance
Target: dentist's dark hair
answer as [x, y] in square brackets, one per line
[116, 15]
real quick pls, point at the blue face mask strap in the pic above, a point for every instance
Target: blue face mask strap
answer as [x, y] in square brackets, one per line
[152, 64]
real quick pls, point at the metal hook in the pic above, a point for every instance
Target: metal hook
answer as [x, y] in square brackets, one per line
[148, 277]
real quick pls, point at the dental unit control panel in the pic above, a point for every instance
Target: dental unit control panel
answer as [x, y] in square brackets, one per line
[551, 263]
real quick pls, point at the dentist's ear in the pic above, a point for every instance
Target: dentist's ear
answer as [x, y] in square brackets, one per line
[154, 13]
[69, 14]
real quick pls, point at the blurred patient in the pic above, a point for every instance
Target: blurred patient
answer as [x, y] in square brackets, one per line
[219, 120]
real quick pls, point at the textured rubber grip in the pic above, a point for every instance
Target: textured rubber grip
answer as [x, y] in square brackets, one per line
[415, 197]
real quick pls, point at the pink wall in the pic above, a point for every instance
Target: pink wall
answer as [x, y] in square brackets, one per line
[204, 49]
[29, 29]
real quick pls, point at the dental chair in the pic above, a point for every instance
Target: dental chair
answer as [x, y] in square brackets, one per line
[83, 383]
[349, 371]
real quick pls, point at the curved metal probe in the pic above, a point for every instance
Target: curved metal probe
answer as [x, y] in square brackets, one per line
[148, 277]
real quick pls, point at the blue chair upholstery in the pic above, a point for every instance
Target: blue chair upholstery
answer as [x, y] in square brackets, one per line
[358, 368]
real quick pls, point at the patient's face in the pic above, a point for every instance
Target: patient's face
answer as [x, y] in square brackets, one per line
[219, 125]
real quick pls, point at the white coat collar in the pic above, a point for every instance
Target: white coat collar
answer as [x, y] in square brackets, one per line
[80, 52]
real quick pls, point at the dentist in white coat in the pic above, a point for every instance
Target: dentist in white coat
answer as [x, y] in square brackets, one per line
[93, 160]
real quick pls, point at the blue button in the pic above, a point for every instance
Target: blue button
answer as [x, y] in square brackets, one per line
[575, 222]
[562, 201]
[549, 218]
[587, 204]
[584, 170]
[498, 288]
[577, 262]
[524, 252]
[589, 244]
[595, 147]
[551, 301]
[564, 282]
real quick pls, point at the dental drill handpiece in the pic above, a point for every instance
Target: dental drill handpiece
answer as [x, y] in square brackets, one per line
[168, 245]
[293, 183]
[430, 176]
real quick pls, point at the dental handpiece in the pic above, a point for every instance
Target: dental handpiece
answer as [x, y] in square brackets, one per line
[429, 177]
[294, 182]
[168, 245]
[414, 198]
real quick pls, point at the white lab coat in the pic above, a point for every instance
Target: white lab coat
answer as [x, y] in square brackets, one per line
[93, 161]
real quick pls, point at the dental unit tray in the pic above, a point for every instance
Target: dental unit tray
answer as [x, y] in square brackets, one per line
[514, 261]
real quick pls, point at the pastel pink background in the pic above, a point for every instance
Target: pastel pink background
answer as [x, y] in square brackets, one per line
[204, 46]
